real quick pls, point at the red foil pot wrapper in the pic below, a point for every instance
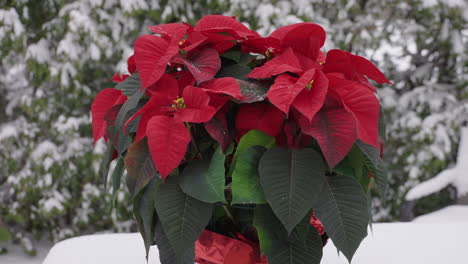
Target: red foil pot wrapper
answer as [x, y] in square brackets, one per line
[214, 248]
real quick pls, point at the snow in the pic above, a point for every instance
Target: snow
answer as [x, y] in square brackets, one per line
[7, 131]
[46, 147]
[101, 249]
[455, 3]
[11, 19]
[64, 123]
[453, 213]
[409, 243]
[128, 5]
[396, 53]
[54, 202]
[457, 176]
[39, 51]
[432, 185]
[389, 243]
[68, 47]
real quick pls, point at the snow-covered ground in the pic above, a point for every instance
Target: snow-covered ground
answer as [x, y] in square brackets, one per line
[409, 243]
[438, 237]
[448, 215]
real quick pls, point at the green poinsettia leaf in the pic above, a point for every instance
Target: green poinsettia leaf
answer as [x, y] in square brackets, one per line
[342, 209]
[354, 165]
[246, 58]
[205, 179]
[300, 233]
[291, 179]
[309, 252]
[304, 246]
[140, 167]
[116, 178]
[269, 228]
[236, 55]
[344, 168]
[375, 164]
[246, 187]
[382, 126]
[143, 209]
[252, 138]
[365, 178]
[126, 111]
[233, 54]
[183, 217]
[356, 161]
[237, 71]
[167, 254]
[130, 86]
[107, 160]
[115, 135]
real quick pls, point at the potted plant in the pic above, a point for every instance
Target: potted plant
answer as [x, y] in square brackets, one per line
[244, 149]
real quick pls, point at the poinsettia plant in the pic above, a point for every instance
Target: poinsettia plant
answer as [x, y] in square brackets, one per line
[240, 148]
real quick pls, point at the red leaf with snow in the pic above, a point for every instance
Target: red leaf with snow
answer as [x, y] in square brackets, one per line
[281, 32]
[225, 86]
[219, 42]
[218, 101]
[353, 67]
[152, 54]
[185, 79]
[283, 92]
[334, 128]
[197, 108]
[166, 87]
[308, 63]
[286, 62]
[305, 38]
[118, 78]
[364, 105]
[203, 64]
[104, 100]
[167, 140]
[194, 40]
[286, 88]
[261, 45]
[367, 68]
[172, 30]
[131, 66]
[218, 24]
[309, 102]
[261, 116]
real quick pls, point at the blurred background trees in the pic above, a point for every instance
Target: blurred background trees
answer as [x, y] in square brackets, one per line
[57, 54]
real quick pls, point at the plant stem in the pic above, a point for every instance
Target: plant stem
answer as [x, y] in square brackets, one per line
[228, 213]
